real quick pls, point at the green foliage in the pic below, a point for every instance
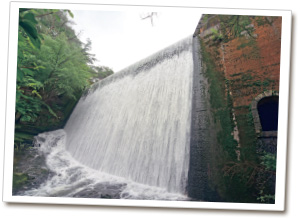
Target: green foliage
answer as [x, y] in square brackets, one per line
[232, 26]
[53, 69]
[27, 23]
[246, 77]
[101, 72]
[90, 58]
[21, 141]
[253, 176]
[229, 176]
[70, 13]
[250, 43]
[263, 20]
[220, 103]
[65, 72]
[269, 161]
[266, 198]
[19, 179]
[205, 18]
[216, 35]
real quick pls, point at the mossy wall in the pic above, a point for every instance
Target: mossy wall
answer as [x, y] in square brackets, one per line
[238, 70]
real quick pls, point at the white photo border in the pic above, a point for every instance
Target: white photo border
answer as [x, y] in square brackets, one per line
[282, 126]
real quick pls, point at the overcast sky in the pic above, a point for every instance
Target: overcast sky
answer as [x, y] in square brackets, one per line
[121, 38]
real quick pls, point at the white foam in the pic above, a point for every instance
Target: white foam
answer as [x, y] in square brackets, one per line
[132, 129]
[138, 126]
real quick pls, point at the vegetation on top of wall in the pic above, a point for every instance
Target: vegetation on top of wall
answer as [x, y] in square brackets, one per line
[216, 35]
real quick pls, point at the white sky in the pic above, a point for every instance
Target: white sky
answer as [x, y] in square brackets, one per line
[121, 38]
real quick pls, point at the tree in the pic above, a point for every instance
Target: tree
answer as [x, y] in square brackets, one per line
[54, 68]
[101, 72]
[28, 100]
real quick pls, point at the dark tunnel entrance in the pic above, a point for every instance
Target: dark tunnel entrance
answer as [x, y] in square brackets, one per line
[268, 113]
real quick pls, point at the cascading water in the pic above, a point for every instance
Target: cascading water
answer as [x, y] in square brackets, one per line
[130, 132]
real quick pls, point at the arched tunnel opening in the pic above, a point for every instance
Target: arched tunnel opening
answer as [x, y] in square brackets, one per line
[268, 113]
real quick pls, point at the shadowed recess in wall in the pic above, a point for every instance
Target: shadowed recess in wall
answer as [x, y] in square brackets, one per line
[268, 113]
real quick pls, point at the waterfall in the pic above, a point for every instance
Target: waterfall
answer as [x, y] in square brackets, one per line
[134, 124]
[137, 126]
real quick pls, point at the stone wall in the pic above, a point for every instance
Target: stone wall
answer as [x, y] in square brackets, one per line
[202, 134]
[247, 67]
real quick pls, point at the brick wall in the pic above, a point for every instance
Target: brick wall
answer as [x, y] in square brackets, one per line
[251, 65]
[239, 69]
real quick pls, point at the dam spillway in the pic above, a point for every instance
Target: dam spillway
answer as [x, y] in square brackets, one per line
[129, 134]
[137, 124]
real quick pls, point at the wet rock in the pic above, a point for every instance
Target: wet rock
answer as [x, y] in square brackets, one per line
[29, 163]
[40, 139]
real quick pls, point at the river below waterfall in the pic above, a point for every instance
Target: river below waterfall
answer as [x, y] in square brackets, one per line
[66, 177]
